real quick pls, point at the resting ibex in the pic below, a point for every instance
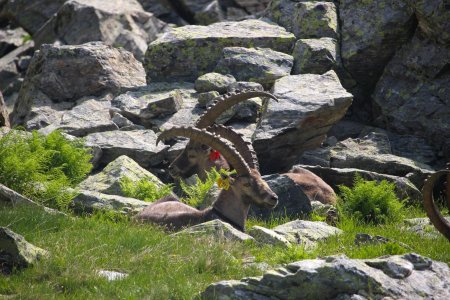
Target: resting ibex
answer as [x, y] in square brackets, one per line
[232, 204]
[195, 159]
[436, 218]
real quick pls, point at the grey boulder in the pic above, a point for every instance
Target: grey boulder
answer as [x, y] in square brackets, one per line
[190, 51]
[315, 56]
[408, 276]
[309, 105]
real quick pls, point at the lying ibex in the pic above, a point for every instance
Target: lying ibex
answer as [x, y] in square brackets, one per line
[436, 218]
[232, 204]
[195, 158]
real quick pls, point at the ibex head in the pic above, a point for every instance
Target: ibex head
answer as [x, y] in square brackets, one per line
[195, 158]
[247, 184]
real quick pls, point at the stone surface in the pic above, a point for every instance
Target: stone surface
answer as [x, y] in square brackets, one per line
[423, 227]
[89, 116]
[244, 85]
[413, 93]
[371, 32]
[15, 251]
[433, 16]
[214, 82]
[155, 101]
[139, 145]
[346, 176]
[190, 51]
[292, 200]
[9, 197]
[259, 65]
[90, 201]
[91, 69]
[408, 276]
[4, 115]
[268, 237]
[205, 98]
[371, 153]
[315, 56]
[364, 238]
[306, 19]
[112, 275]
[309, 105]
[243, 6]
[45, 112]
[306, 233]
[217, 229]
[30, 15]
[120, 23]
[108, 180]
[10, 39]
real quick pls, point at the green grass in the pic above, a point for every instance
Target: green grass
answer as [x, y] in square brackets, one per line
[43, 168]
[194, 195]
[161, 266]
[144, 189]
[370, 201]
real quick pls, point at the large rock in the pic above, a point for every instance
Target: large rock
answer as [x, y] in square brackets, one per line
[90, 201]
[408, 276]
[370, 153]
[140, 145]
[413, 93]
[306, 233]
[67, 73]
[120, 23]
[292, 200]
[16, 252]
[256, 65]
[108, 180]
[433, 16]
[268, 237]
[315, 56]
[404, 188]
[190, 51]
[214, 82]
[217, 229]
[30, 15]
[306, 19]
[371, 32]
[10, 39]
[145, 104]
[309, 105]
[4, 115]
[89, 116]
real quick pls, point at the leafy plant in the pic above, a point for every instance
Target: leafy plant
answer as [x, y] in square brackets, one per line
[370, 202]
[43, 168]
[195, 194]
[144, 189]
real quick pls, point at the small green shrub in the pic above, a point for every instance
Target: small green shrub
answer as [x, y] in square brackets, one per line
[370, 202]
[195, 194]
[144, 189]
[43, 168]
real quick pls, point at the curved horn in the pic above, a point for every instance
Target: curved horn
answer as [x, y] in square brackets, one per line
[207, 138]
[222, 103]
[244, 148]
[436, 218]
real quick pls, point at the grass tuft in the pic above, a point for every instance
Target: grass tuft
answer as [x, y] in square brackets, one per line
[144, 189]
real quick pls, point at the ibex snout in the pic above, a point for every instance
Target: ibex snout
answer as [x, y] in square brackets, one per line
[271, 201]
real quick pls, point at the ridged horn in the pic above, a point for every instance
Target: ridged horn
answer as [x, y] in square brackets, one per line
[202, 136]
[433, 213]
[244, 148]
[224, 102]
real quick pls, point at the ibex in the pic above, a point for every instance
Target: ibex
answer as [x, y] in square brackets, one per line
[232, 205]
[441, 224]
[196, 159]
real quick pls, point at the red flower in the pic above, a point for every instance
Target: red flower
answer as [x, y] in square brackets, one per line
[214, 155]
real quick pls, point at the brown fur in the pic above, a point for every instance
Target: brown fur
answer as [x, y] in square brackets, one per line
[233, 203]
